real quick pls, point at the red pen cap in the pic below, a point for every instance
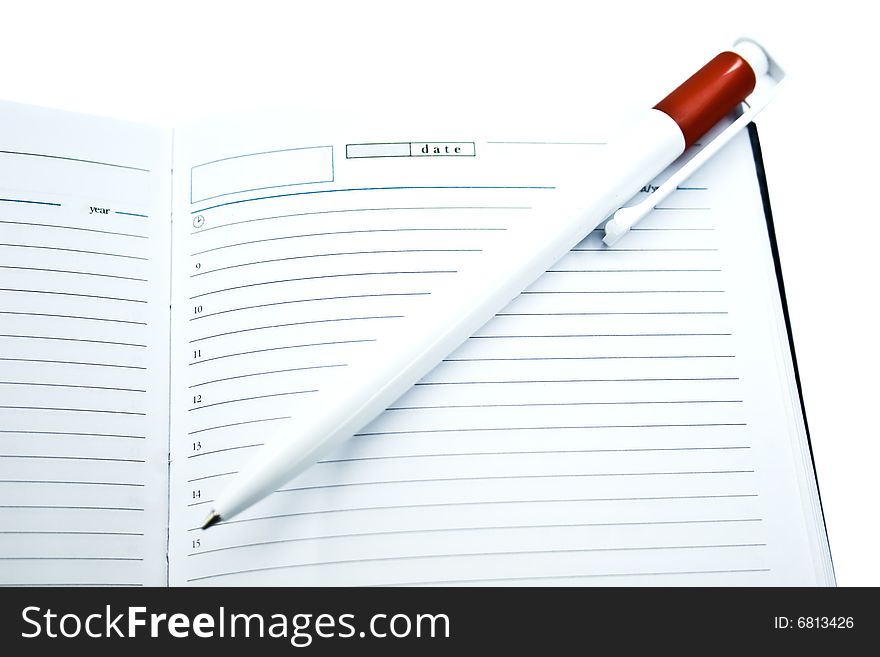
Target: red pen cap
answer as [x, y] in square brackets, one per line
[708, 95]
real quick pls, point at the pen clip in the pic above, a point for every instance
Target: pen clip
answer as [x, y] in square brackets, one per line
[766, 89]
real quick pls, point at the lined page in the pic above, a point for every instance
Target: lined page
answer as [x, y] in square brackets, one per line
[83, 349]
[618, 423]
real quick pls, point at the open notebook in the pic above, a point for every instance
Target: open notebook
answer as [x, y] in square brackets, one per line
[632, 418]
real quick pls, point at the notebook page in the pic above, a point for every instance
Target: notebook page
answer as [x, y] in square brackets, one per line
[617, 423]
[84, 266]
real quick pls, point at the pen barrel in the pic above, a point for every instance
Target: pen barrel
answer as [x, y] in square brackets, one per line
[451, 315]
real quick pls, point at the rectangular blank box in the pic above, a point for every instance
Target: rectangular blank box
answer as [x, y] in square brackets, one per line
[248, 173]
[400, 149]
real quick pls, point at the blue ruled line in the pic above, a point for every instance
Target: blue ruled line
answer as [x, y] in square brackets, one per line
[132, 214]
[370, 189]
[18, 200]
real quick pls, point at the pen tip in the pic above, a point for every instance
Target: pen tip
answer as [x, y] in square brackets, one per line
[212, 519]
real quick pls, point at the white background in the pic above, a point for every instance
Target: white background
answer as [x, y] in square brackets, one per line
[163, 62]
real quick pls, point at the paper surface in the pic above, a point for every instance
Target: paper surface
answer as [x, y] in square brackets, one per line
[630, 418]
[84, 269]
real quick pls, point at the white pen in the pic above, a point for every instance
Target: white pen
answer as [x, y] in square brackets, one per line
[649, 146]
